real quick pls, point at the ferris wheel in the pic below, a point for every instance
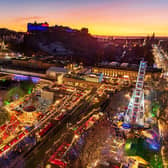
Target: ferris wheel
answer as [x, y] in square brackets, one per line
[135, 112]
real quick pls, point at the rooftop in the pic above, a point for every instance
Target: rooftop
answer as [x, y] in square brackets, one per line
[129, 68]
[58, 69]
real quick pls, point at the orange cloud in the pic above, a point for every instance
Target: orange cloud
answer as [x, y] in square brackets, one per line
[26, 19]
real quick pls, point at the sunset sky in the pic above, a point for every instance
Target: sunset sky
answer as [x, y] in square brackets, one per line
[102, 17]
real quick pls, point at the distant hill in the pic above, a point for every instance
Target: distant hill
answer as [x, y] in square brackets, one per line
[78, 44]
[4, 31]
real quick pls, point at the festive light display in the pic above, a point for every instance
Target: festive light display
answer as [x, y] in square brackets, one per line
[135, 112]
[26, 78]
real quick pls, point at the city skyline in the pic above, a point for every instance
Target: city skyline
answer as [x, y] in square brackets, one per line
[128, 17]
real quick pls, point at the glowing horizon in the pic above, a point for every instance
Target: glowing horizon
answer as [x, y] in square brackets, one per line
[107, 17]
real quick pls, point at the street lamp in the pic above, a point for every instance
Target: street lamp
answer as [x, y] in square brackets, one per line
[76, 136]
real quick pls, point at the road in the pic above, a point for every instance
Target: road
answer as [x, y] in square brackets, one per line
[161, 61]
